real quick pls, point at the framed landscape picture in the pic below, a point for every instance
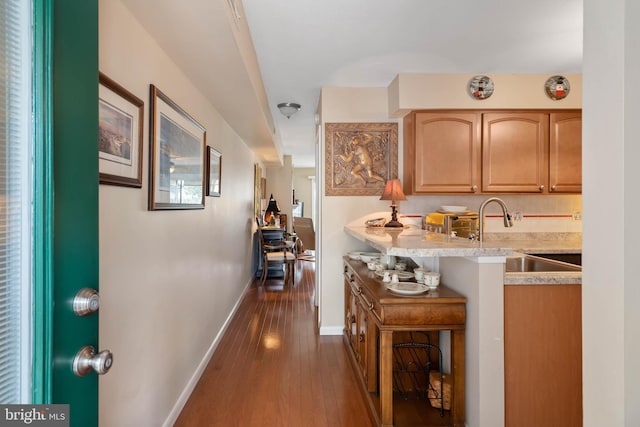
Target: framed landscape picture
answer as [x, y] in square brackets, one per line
[120, 117]
[214, 171]
[176, 175]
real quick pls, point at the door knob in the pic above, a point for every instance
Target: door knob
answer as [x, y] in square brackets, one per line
[87, 360]
[86, 301]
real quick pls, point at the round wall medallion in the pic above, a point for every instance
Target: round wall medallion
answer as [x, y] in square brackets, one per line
[557, 87]
[481, 87]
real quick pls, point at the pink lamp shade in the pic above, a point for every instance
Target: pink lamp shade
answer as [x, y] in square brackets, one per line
[393, 191]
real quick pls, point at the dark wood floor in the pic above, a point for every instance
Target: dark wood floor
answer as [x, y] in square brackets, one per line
[272, 368]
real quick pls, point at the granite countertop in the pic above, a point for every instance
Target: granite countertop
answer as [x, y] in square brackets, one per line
[544, 278]
[539, 243]
[411, 242]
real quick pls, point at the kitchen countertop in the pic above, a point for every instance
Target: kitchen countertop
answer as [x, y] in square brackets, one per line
[409, 242]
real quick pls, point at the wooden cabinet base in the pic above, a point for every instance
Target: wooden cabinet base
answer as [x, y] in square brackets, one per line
[382, 330]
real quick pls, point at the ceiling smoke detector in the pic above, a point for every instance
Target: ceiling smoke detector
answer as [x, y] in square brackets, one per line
[288, 109]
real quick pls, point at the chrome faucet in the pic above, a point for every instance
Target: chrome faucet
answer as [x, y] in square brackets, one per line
[505, 213]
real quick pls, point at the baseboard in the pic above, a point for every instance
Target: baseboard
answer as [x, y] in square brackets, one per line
[191, 385]
[331, 330]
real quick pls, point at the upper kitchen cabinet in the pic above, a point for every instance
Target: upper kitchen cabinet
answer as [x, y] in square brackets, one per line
[442, 152]
[493, 152]
[565, 152]
[515, 148]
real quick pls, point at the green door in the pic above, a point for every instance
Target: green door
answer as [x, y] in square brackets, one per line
[66, 201]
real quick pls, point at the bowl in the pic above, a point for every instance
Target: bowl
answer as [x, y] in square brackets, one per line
[369, 256]
[453, 209]
[376, 222]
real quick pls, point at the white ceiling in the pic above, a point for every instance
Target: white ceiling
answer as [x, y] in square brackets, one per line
[304, 45]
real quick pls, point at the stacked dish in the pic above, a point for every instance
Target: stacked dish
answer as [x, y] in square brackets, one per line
[407, 288]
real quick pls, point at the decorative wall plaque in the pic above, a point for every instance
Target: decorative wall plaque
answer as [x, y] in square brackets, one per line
[360, 157]
[481, 87]
[557, 87]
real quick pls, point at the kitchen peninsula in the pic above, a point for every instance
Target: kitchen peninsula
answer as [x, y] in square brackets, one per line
[477, 271]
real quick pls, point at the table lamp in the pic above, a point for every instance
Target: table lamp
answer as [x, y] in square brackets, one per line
[393, 192]
[271, 211]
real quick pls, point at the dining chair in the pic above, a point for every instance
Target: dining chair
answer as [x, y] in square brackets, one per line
[277, 253]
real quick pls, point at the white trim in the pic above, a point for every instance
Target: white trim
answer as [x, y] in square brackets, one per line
[191, 384]
[331, 330]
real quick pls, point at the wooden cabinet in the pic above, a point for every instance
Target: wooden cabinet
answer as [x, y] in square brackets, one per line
[446, 154]
[515, 152]
[493, 152]
[543, 355]
[376, 325]
[565, 152]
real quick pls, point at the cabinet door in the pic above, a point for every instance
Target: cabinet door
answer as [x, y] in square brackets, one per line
[353, 323]
[515, 152]
[543, 355]
[446, 153]
[362, 320]
[565, 152]
[349, 315]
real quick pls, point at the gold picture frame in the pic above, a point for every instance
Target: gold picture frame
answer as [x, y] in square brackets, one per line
[258, 190]
[360, 158]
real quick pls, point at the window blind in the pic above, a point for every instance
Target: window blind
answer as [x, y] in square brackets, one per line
[15, 200]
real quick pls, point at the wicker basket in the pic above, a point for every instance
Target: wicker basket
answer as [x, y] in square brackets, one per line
[434, 390]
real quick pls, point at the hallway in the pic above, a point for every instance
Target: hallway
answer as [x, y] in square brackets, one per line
[272, 368]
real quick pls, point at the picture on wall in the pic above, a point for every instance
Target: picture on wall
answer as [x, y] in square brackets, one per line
[214, 172]
[177, 156]
[258, 190]
[120, 117]
[360, 157]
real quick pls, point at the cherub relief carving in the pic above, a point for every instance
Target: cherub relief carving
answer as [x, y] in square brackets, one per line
[360, 157]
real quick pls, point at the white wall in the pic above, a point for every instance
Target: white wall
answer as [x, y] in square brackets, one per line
[611, 295]
[302, 185]
[168, 279]
[343, 105]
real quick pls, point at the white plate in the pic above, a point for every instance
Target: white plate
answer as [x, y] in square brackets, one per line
[453, 209]
[402, 275]
[407, 288]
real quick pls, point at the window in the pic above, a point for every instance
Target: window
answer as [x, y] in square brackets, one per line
[15, 201]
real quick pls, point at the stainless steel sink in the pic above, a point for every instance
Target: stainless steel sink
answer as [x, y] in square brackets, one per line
[530, 263]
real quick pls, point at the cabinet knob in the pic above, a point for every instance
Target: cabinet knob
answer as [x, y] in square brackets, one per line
[553, 188]
[541, 188]
[474, 188]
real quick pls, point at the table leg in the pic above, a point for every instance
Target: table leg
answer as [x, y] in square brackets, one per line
[386, 378]
[458, 371]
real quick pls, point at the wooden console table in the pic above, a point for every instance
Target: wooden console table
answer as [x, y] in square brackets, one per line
[373, 318]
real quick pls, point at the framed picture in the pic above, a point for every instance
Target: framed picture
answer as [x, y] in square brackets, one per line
[214, 171]
[360, 157]
[120, 117]
[257, 190]
[177, 152]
